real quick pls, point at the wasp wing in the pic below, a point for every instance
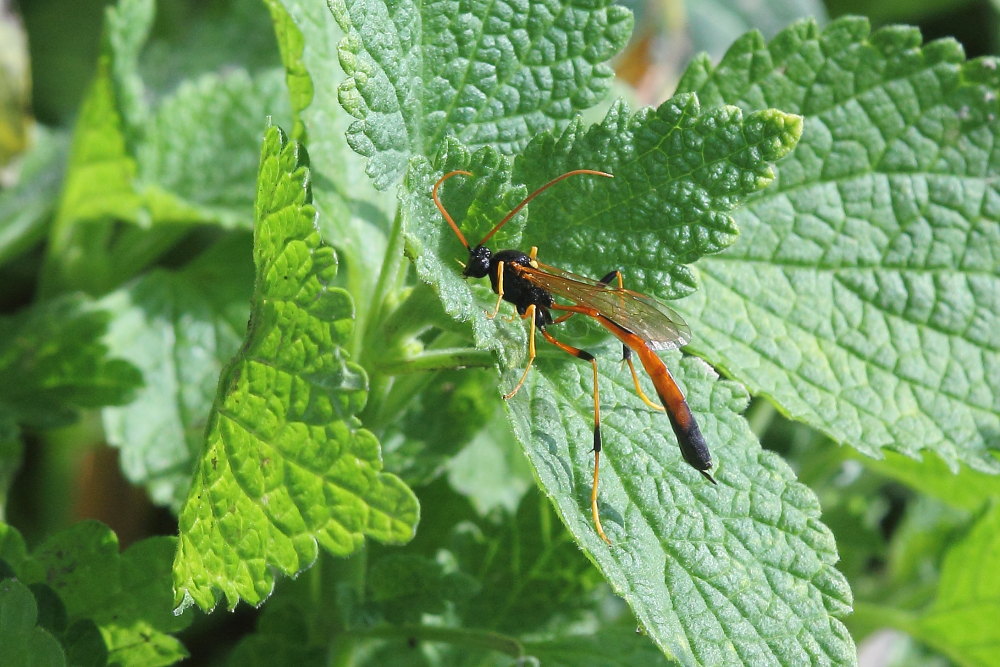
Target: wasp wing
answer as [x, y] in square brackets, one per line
[659, 325]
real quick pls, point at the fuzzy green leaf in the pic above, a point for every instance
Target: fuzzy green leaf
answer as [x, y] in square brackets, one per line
[188, 160]
[178, 328]
[353, 215]
[162, 164]
[489, 73]
[863, 296]
[287, 465]
[679, 171]
[196, 159]
[739, 572]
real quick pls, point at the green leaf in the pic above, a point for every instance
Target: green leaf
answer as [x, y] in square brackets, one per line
[681, 546]
[489, 472]
[529, 571]
[286, 464]
[24, 642]
[98, 180]
[679, 171]
[178, 328]
[196, 158]
[961, 621]
[863, 296]
[353, 215]
[439, 420]
[126, 595]
[13, 551]
[156, 166]
[53, 362]
[490, 74]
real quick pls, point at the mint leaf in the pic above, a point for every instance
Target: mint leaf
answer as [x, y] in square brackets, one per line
[178, 328]
[286, 464]
[960, 622]
[353, 215]
[494, 74]
[147, 165]
[24, 642]
[53, 362]
[529, 569]
[181, 175]
[679, 171]
[862, 298]
[125, 594]
[681, 546]
[98, 180]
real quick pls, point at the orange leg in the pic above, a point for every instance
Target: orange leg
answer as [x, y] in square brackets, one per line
[496, 308]
[586, 356]
[627, 358]
[529, 314]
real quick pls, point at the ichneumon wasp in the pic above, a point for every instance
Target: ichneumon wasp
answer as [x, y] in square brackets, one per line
[641, 323]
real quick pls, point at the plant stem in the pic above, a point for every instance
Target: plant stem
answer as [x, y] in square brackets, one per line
[369, 321]
[438, 360]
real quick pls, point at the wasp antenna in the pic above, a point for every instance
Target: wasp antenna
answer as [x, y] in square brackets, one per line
[444, 211]
[524, 202]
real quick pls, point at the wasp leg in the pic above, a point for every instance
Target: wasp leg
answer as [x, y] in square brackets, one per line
[528, 313]
[587, 356]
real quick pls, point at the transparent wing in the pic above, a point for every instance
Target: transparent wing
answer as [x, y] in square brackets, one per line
[659, 325]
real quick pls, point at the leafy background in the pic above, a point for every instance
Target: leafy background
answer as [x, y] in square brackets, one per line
[849, 286]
